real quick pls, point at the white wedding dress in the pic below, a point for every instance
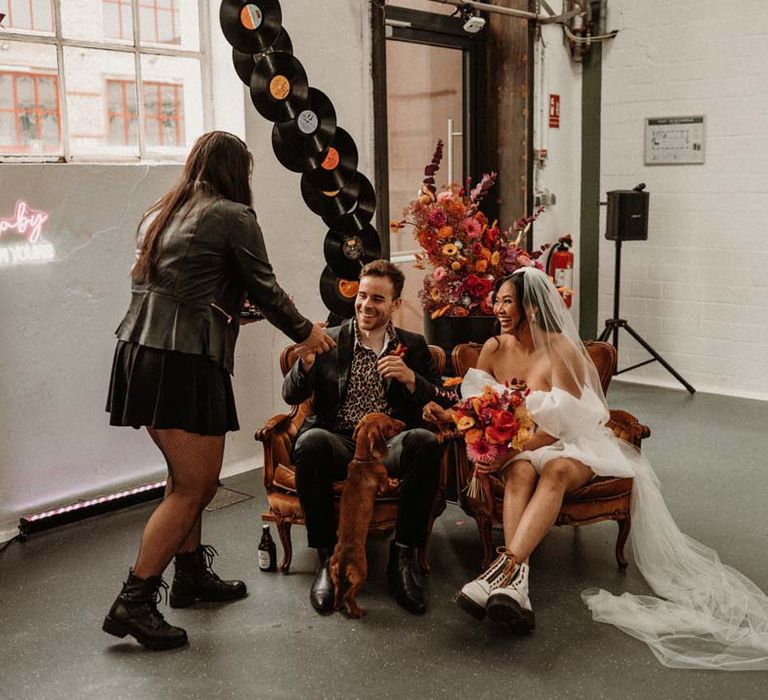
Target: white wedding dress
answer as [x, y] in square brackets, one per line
[708, 615]
[713, 616]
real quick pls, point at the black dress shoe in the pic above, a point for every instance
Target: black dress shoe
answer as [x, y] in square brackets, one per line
[196, 581]
[404, 578]
[322, 595]
[135, 612]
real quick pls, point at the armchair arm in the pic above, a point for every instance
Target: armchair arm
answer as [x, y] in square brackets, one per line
[277, 436]
[625, 426]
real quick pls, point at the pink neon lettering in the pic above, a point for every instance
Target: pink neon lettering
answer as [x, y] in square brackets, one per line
[25, 221]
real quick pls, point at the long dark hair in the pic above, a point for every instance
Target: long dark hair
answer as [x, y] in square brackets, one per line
[218, 163]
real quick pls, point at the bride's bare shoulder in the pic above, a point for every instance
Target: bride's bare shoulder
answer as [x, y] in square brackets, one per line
[494, 349]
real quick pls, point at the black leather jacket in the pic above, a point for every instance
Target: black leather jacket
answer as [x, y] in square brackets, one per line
[210, 255]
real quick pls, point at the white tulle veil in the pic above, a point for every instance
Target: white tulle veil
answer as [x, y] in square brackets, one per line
[708, 615]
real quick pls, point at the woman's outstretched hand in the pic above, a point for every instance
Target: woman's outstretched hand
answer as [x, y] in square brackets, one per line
[434, 413]
[316, 343]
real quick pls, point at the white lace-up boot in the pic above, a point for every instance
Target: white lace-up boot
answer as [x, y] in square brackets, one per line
[511, 604]
[474, 595]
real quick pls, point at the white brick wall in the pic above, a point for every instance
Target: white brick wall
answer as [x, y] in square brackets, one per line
[697, 290]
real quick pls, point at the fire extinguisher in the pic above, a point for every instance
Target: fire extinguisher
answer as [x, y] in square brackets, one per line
[560, 267]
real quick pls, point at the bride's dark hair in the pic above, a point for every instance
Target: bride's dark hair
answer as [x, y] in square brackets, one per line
[544, 318]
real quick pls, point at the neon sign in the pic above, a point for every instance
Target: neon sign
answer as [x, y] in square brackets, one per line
[26, 224]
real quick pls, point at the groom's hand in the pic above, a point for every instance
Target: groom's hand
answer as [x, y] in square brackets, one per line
[393, 367]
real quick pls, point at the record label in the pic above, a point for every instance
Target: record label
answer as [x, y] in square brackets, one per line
[279, 87]
[251, 17]
[331, 160]
[348, 288]
[307, 121]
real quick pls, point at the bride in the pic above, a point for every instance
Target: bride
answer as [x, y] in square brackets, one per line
[708, 615]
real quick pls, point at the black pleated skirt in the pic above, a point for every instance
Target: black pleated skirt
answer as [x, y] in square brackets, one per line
[168, 389]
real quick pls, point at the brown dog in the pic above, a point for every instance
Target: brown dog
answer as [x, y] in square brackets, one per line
[365, 476]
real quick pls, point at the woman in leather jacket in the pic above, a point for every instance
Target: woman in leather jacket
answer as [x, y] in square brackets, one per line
[200, 254]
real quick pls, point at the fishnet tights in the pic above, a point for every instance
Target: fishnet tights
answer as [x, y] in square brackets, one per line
[194, 463]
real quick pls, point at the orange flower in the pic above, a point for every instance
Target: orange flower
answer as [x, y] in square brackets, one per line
[495, 257]
[481, 265]
[445, 232]
[450, 249]
[463, 422]
[434, 293]
[459, 311]
[452, 381]
[472, 436]
[456, 265]
[485, 253]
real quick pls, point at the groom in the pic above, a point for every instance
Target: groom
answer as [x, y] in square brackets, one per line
[374, 368]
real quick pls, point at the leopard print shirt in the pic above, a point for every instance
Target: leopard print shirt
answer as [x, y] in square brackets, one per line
[365, 391]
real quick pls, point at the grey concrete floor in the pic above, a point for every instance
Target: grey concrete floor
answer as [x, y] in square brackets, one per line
[56, 588]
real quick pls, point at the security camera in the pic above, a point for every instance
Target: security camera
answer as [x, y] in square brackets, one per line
[474, 24]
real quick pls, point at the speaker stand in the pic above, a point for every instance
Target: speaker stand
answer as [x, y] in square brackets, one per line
[612, 326]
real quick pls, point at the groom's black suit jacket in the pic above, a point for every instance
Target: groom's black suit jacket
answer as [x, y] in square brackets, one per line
[329, 376]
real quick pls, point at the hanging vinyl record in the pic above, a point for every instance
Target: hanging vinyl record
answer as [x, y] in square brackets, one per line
[331, 203]
[357, 218]
[336, 165]
[338, 294]
[279, 89]
[347, 253]
[244, 62]
[313, 129]
[251, 26]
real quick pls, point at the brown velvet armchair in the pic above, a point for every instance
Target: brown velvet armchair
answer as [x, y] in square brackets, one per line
[603, 498]
[284, 509]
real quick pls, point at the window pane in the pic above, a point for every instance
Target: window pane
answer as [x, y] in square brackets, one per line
[97, 20]
[173, 103]
[101, 102]
[170, 23]
[28, 15]
[30, 118]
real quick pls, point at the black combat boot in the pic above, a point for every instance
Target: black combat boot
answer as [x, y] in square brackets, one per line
[135, 612]
[322, 595]
[404, 578]
[196, 581]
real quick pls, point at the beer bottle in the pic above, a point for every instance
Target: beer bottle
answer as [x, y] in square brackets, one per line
[267, 550]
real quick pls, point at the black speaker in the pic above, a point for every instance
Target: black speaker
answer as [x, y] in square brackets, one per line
[627, 215]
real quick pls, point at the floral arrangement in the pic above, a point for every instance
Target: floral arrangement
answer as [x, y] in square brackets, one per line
[466, 252]
[492, 424]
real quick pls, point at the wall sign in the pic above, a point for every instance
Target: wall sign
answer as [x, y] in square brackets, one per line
[674, 140]
[554, 111]
[21, 237]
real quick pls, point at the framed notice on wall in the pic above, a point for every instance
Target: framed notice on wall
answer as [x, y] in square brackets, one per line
[674, 140]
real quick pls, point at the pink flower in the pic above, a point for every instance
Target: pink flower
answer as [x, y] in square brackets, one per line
[440, 273]
[481, 451]
[473, 228]
[445, 196]
[436, 218]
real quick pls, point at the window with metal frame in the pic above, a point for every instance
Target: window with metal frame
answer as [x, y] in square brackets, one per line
[163, 113]
[102, 79]
[29, 111]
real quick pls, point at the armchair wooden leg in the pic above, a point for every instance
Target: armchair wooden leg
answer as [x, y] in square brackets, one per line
[624, 524]
[485, 526]
[284, 531]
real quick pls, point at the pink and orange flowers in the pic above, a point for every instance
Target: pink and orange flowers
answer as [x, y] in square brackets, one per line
[492, 425]
[466, 251]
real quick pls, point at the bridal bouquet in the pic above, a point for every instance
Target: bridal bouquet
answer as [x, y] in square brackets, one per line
[467, 253]
[492, 424]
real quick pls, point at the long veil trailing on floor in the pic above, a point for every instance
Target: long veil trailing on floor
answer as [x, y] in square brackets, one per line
[708, 614]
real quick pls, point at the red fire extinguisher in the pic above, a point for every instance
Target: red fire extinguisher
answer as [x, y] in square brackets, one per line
[560, 267]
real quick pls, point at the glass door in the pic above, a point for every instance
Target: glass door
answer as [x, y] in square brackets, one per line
[430, 67]
[423, 106]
